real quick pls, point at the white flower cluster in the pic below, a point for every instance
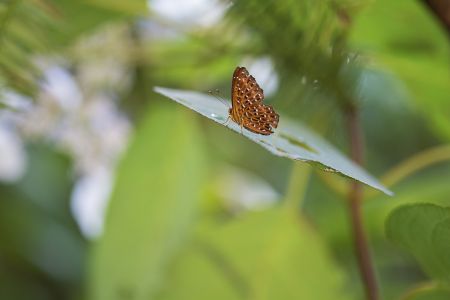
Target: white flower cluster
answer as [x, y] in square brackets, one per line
[76, 111]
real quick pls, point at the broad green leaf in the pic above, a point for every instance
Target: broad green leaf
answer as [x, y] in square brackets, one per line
[197, 274]
[82, 17]
[272, 254]
[291, 139]
[151, 210]
[419, 57]
[42, 202]
[32, 28]
[131, 7]
[424, 230]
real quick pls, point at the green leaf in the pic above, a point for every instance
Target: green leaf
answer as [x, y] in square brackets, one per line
[82, 17]
[195, 275]
[291, 139]
[272, 254]
[424, 230]
[419, 57]
[24, 31]
[130, 7]
[31, 28]
[152, 208]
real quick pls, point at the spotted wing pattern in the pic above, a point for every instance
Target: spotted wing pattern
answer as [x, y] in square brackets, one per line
[247, 108]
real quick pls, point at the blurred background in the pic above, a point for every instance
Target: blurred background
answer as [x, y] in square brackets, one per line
[110, 191]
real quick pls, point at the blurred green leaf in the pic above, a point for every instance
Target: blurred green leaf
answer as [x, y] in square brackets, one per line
[414, 46]
[51, 192]
[423, 230]
[152, 207]
[272, 254]
[40, 244]
[81, 17]
[307, 42]
[291, 139]
[23, 26]
[31, 28]
[130, 7]
[195, 275]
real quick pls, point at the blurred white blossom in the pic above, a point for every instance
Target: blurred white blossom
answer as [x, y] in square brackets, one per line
[90, 198]
[190, 13]
[13, 156]
[263, 70]
[76, 111]
[242, 190]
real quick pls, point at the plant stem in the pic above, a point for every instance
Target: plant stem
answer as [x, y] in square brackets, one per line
[419, 288]
[398, 173]
[415, 163]
[441, 10]
[355, 201]
[297, 186]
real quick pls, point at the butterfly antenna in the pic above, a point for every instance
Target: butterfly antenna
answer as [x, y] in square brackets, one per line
[216, 95]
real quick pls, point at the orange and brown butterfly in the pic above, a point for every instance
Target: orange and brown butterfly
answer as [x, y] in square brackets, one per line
[247, 108]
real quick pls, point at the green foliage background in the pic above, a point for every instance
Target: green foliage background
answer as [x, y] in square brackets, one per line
[168, 232]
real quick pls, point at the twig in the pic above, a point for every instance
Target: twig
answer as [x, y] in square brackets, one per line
[416, 163]
[297, 186]
[355, 200]
[441, 10]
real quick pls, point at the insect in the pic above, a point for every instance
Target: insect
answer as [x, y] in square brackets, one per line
[247, 108]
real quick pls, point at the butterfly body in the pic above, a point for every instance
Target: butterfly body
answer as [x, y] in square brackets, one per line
[247, 108]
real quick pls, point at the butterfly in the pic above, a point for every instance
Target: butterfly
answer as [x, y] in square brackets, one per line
[247, 108]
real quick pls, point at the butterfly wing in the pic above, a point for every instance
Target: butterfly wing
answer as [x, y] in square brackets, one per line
[247, 108]
[263, 121]
[238, 84]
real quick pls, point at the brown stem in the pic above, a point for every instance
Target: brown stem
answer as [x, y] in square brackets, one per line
[355, 201]
[441, 9]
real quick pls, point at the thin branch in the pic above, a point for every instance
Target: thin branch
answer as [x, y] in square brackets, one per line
[398, 173]
[441, 9]
[355, 200]
[417, 289]
[416, 163]
[297, 186]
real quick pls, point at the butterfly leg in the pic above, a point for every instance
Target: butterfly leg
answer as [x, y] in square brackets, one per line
[242, 124]
[226, 122]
